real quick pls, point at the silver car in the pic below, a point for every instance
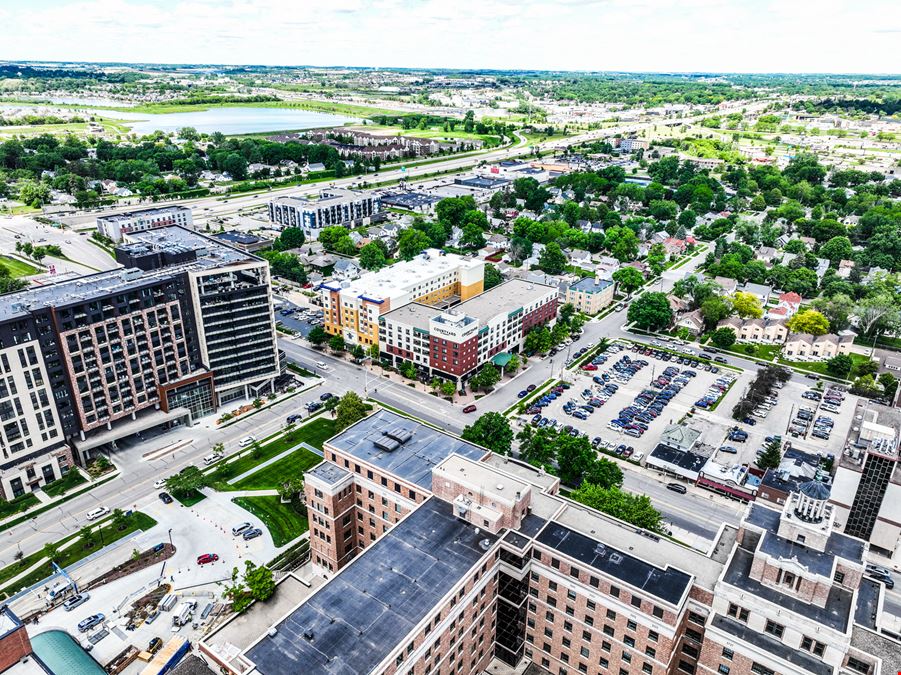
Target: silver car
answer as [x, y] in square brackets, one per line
[76, 601]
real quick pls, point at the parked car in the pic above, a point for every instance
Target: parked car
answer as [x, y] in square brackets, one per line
[90, 622]
[530, 388]
[238, 529]
[291, 419]
[244, 442]
[252, 533]
[99, 512]
[326, 396]
[166, 498]
[155, 645]
[207, 558]
[76, 601]
[161, 483]
[677, 487]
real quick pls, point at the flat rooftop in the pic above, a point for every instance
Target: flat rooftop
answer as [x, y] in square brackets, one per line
[505, 298]
[143, 213]
[807, 662]
[398, 279]
[590, 285]
[376, 440]
[836, 614]
[355, 621]
[324, 197]
[328, 473]
[667, 584]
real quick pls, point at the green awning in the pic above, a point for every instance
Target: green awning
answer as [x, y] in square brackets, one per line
[501, 359]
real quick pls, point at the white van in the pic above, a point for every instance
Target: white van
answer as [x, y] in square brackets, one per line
[244, 442]
[209, 459]
[321, 364]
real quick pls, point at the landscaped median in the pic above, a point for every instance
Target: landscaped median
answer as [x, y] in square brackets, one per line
[37, 566]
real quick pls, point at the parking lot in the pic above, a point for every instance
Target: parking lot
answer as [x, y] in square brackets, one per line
[299, 319]
[678, 387]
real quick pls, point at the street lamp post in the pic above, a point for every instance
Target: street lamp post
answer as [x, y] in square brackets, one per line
[170, 538]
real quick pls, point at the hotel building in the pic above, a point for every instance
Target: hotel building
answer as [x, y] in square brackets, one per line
[457, 341]
[352, 308]
[442, 557]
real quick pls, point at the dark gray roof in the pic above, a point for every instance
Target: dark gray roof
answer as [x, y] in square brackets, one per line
[360, 616]
[685, 459]
[836, 614]
[807, 662]
[328, 473]
[668, 584]
[838, 544]
[590, 285]
[192, 665]
[867, 603]
[412, 460]
[815, 490]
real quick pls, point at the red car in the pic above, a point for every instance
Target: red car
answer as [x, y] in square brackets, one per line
[207, 558]
[469, 409]
[589, 366]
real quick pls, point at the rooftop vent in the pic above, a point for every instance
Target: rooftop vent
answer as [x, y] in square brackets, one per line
[499, 487]
[308, 634]
[399, 434]
[616, 558]
[600, 549]
[485, 544]
[272, 632]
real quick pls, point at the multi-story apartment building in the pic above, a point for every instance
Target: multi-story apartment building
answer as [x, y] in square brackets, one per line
[590, 295]
[457, 341]
[332, 207]
[118, 226]
[441, 556]
[352, 308]
[186, 324]
[867, 488]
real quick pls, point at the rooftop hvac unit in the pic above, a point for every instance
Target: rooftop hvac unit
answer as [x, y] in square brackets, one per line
[399, 434]
[616, 558]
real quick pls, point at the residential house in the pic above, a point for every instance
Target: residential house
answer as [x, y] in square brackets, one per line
[674, 247]
[810, 242]
[606, 266]
[319, 261]
[498, 242]
[693, 321]
[822, 266]
[767, 254]
[658, 237]
[766, 331]
[532, 260]
[639, 265]
[728, 286]
[580, 258]
[346, 268]
[806, 346]
[844, 268]
[759, 291]
[873, 274]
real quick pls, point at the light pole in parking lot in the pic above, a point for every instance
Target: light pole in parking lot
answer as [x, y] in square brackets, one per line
[170, 538]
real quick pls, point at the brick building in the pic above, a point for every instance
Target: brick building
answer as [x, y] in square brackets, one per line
[458, 341]
[441, 556]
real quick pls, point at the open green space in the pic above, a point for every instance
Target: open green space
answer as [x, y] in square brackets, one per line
[277, 473]
[17, 268]
[64, 484]
[765, 352]
[106, 534]
[17, 505]
[285, 522]
[313, 433]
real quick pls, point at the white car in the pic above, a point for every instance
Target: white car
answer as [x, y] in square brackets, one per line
[161, 483]
[99, 512]
[244, 442]
[209, 459]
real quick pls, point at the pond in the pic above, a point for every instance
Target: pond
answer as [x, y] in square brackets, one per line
[238, 120]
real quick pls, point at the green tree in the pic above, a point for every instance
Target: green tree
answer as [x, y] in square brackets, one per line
[186, 482]
[628, 279]
[336, 343]
[491, 430]
[836, 309]
[657, 258]
[51, 551]
[552, 259]
[622, 243]
[473, 236]
[259, 581]
[538, 340]
[634, 509]
[350, 409]
[651, 311]
[746, 305]
[447, 388]
[489, 376]
[889, 384]
[291, 237]
[771, 456]
[492, 276]
[723, 338]
[318, 336]
[840, 365]
[33, 193]
[119, 519]
[808, 321]
[86, 536]
[411, 243]
[372, 257]
[836, 249]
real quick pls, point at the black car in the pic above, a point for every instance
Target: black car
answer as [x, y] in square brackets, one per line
[165, 497]
[326, 396]
[291, 419]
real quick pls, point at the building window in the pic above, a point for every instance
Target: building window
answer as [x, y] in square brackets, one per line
[724, 669]
[761, 669]
[812, 646]
[839, 577]
[739, 613]
[774, 628]
[728, 653]
[856, 665]
[614, 591]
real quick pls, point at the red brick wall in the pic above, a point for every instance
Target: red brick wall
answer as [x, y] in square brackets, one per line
[14, 647]
[466, 354]
[543, 314]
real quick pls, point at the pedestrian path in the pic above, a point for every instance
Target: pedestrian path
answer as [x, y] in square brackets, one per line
[42, 496]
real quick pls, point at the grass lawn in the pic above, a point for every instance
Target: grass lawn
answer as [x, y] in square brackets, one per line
[17, 505]
[194, 498]
[314, 433]
[17, 268]
[272, 476]
[64, 484]
[282, 520]
[820, 366]
[294, 368]
[767, 352]
[108, 534]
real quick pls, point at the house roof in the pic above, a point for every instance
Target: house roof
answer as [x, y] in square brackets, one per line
[790, 298]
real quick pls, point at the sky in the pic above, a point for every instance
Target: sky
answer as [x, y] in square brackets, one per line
[834, 36]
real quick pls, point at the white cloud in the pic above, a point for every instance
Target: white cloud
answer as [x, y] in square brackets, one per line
[637, 35]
